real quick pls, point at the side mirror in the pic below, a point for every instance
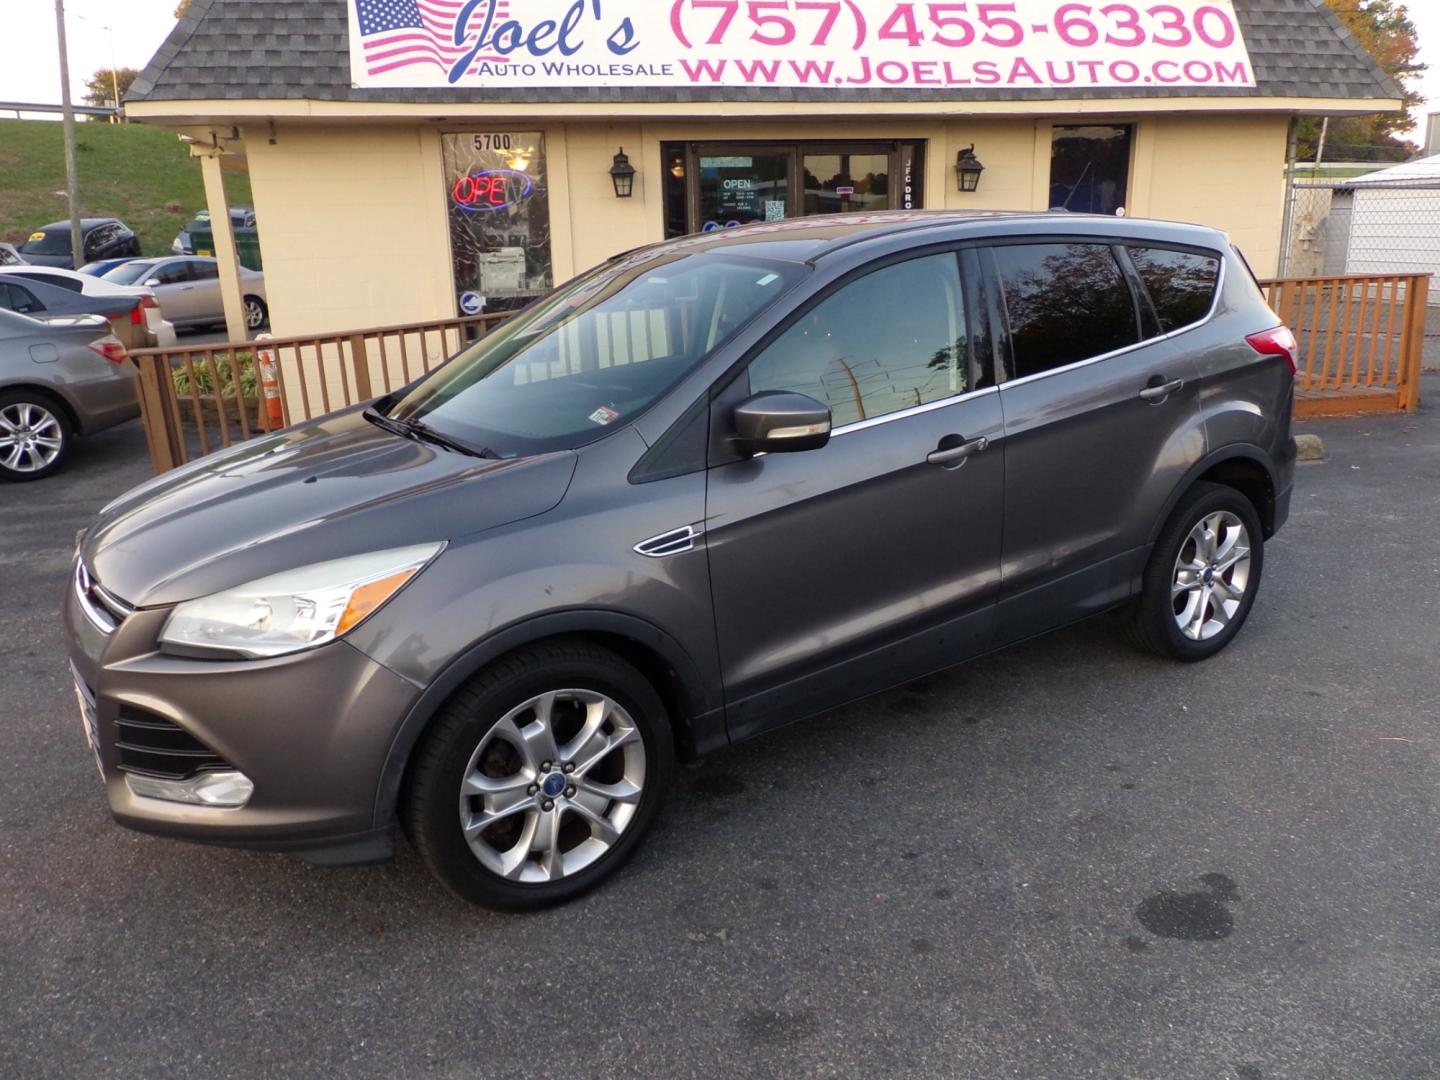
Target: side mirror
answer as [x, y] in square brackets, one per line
[150, 283]
[780, 422]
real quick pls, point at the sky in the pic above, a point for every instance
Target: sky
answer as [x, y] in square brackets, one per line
[134, 29]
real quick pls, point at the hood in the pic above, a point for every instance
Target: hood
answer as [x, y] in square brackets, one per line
[326, 489]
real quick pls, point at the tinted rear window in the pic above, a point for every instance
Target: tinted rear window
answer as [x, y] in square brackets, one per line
[58, 281]
[1066, 302]
[1181, 284]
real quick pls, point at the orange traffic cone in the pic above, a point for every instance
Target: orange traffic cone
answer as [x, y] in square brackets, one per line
[270, 386]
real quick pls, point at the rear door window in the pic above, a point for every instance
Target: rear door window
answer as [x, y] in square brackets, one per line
[203, 270]
[172, 273]
[1181, 284]
[21, 301]
[1065, 302]
[888, 341]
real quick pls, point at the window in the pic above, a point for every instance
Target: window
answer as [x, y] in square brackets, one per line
[204, 270]
[171, 273]
[14, 298]
[1181, 284]
[497, 192]
[59, 282]
[596, 353]
[99, 237]
[890, 340]
[1090, 168]
[1065, 302]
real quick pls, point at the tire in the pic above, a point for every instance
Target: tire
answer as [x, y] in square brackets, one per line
[489, 738]
[35, 436]
[257, 315]
[1178, 590]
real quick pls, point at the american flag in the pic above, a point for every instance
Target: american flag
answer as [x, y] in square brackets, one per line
[399, 33]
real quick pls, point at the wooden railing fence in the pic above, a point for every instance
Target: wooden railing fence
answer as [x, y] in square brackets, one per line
[1360, 346]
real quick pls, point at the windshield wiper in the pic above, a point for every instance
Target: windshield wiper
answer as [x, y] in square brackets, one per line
[422, 432]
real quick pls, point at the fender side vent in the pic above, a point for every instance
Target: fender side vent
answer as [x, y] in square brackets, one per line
[674, 542]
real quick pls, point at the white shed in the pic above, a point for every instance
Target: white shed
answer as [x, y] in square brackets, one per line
[1387, 222]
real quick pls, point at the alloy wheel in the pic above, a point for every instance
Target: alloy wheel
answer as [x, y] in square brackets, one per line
[31, 437]
[1212, 572]
[254, 314]
[552, 786]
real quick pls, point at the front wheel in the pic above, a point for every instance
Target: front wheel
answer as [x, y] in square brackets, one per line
[539, 778]
[1202, 576]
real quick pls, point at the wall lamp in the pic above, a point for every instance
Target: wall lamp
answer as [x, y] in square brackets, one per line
[968, 168]
[622, 173]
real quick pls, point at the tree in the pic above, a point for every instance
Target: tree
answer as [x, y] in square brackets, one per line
[180, 8]
[1385, 29]
[100, 87]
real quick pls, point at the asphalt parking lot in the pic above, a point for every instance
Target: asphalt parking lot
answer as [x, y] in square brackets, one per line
[1063, 861]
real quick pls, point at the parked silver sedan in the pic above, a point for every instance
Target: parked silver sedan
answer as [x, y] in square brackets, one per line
[188, 289]
[59, 378]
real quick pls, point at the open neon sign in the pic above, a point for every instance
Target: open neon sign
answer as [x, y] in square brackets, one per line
[492, 190]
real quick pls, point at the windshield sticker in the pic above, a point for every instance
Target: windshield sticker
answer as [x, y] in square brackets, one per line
[604, 415]
[767, 279]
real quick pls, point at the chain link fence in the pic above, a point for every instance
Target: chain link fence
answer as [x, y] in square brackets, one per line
[1338, 227]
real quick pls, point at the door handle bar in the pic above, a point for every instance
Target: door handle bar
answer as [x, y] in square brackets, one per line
[957, 453]
[1164, 390]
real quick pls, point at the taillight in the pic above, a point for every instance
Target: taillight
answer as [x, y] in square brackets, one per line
[110, 348]
[137, 315]
[1278, 341]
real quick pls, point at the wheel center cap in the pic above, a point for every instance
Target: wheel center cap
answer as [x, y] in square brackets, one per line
[1209, 575]
[553, 784]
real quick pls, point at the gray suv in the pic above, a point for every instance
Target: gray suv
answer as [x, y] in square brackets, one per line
[706, 489]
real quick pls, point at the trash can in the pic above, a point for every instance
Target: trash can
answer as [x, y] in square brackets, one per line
[247, 245]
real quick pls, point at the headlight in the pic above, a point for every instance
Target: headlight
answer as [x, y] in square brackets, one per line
[298, 609]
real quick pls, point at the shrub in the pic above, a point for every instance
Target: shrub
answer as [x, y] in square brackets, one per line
[204, 382]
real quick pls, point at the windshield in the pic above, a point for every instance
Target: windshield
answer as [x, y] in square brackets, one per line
[55, 242]
[129, 273]
[595, 353]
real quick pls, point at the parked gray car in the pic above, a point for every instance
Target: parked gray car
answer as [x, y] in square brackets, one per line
[709, 488]
[59, 378]
[188, 289]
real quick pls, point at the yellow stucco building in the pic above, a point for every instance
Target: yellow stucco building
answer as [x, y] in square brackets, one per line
[381, 204]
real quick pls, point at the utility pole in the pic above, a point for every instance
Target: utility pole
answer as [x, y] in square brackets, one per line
[72, 180]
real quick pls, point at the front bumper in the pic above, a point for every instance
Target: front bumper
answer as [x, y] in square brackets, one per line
[311, 730]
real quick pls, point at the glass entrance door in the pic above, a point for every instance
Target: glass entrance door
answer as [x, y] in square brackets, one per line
[711, 186]
[844, 183]
[737, 186]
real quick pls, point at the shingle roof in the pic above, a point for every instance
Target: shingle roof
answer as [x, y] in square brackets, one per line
[299, 49]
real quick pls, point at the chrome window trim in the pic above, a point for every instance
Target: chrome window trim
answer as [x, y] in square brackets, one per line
[1074, 365]
[914, 410]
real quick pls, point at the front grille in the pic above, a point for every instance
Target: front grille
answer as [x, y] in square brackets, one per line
[151, 745]
[101, 607]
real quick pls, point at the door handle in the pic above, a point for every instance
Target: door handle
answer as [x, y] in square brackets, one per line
[1161, 391]
[951, 454]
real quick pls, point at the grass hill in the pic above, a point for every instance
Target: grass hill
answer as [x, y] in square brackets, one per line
[142, 175]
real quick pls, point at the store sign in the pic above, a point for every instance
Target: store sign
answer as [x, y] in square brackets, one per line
[820, 44]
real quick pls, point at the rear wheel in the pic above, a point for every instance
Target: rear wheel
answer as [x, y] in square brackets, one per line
[256, 313]
[1202, 576]
[35, 436]
[540, 778]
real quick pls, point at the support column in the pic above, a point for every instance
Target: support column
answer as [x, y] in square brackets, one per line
[225, 255]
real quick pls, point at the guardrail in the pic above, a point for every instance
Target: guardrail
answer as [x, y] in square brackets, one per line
[1361, 339]
[199, 398]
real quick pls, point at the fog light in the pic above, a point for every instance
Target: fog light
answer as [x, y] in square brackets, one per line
[228, 790]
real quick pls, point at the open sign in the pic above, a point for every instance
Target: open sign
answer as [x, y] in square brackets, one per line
[491, 190]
